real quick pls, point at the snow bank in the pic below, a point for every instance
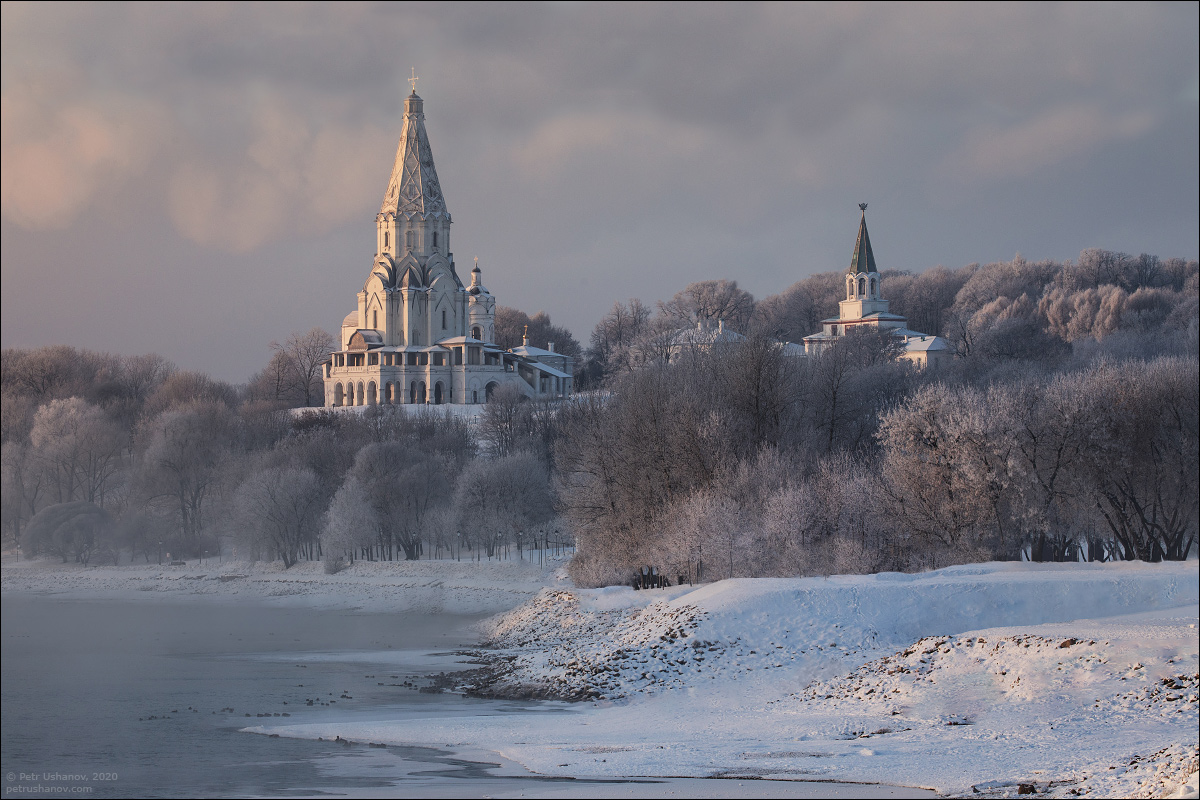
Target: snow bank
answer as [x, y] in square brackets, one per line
[1076, 680]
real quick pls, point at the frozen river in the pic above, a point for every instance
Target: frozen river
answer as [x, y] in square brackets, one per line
[148, 699]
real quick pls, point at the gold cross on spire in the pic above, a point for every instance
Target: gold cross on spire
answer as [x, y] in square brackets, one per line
[413, 80]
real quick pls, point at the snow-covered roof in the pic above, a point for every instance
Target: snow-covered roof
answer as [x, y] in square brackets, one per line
[549, 370]
[926, 344]
[706, 333]
[536, 352]
[460, 340]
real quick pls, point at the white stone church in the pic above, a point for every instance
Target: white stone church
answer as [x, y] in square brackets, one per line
[418, 335]
[865, 308]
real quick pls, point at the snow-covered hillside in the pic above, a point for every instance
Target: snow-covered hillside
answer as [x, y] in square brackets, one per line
[1074, 679]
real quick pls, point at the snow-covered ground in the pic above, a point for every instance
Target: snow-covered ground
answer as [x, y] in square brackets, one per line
[450, 586]
[1076, 680]
[1072, 679]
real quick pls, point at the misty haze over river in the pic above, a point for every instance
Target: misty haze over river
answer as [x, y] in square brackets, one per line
[81, 681]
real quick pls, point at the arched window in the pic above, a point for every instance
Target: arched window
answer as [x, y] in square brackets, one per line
[386, 238]
[476, 333]
[408, 239]
[873, 290]
[435, 240]
[374, 319]
[862, 285]
[443, 319]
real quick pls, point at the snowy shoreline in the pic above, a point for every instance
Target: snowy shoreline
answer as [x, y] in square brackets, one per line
[1075, 679]
[433, 586]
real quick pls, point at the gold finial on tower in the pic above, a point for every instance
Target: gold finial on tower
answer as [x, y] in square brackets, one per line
[413, 80]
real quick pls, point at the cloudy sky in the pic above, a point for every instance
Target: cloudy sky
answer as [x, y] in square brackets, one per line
[197, 180]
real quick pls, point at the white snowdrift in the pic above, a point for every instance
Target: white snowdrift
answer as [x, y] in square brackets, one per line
[1080, 680]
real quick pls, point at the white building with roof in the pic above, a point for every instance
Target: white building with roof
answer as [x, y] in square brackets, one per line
[418, 335]
[865, 308]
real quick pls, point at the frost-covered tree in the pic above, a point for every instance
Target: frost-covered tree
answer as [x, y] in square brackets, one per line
[400, 486]
[69, 530]
[719, 300]
[279, 510]
[503, 500]
[186, 453]
[350, 522]
[79, 449]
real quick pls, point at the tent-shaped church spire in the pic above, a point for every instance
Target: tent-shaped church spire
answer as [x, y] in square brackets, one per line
[413, 189]
[863, 259]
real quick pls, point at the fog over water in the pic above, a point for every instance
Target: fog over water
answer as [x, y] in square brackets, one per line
[83, 680]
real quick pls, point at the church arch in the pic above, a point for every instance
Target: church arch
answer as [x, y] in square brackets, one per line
[371, 399]
[338, 396]
[437, 394]
[421, 392]
[476, 333]
[862, 285]
[360, 400]
[487, 390]
[874, 290]
[412, 392]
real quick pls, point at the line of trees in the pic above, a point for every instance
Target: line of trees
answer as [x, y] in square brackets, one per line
[1065, 429]
[109, 458]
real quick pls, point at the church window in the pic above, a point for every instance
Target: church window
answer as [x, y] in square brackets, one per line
[873, 290]
[385, 238]
[862, 285]
[435, 240]
[374, 319]
[476, 333]
[443, 319]
[408, 239]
